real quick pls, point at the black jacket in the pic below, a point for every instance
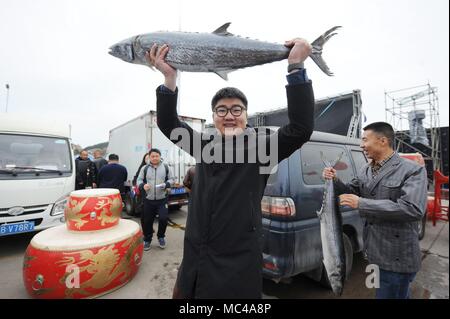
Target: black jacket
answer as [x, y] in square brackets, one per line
[113, 176]
[86, 173]
[222, 255]
[99, 163]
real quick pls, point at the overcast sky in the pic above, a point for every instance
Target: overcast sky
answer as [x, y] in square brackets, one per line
[54, 55]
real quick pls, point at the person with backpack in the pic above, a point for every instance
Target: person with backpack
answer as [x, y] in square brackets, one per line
[153, 181]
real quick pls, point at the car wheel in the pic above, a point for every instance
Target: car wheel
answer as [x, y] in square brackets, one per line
[348, 248]
[422, 226]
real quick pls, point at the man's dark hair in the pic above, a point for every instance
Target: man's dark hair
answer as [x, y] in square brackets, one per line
[113, 157]
[154, 150]
[384, 129]
[228, 93]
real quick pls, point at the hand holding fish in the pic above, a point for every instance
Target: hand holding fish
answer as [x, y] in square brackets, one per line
[349, 200]
[157, 57]
[300, 50]
[329, 173]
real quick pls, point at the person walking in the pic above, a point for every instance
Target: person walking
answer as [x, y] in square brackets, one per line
[153, 181]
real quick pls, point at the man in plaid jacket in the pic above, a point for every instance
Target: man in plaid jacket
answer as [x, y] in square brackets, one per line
[391, 195]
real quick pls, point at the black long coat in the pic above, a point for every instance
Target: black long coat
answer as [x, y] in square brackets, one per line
[86, 173]
[222, 255]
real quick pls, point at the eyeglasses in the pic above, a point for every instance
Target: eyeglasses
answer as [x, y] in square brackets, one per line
[235, 110]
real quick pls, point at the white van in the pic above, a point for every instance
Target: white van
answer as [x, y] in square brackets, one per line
[37, 173]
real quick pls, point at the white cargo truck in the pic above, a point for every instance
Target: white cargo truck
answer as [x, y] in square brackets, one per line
[37, 173]
[136, 137]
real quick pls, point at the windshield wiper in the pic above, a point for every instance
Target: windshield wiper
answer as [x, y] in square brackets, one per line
[37, 169]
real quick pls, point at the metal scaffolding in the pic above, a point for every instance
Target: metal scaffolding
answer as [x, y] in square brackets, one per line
[400, 104]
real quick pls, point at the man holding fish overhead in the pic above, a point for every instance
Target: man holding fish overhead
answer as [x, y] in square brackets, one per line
[222, 256]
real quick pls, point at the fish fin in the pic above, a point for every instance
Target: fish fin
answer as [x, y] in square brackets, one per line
[223, 30]
[223, 74]
[317, 46]
[328, 163]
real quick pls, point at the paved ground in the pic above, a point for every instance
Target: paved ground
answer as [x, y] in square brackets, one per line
[158, 270]
[155, 278]
[431, 281]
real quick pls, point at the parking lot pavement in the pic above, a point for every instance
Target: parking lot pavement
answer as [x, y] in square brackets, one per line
[157, 274]
[432, 280]
[158, 271]
[155, 278]
[12, 249]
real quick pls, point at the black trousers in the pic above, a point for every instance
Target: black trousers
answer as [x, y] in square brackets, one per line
[151, 208]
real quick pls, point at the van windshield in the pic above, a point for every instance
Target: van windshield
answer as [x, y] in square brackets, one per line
[34, 155]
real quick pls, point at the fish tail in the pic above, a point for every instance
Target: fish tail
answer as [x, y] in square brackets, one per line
[317, 47]
[327, 163]
[338, 159]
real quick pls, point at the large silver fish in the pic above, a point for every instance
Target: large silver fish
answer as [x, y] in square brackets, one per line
[331, 234]
[220, 51]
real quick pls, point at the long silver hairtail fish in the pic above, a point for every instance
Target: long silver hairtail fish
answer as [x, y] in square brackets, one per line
[331, 234]
[220, 52]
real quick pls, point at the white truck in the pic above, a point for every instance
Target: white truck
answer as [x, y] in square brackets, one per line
[136, 137]
[37, 173]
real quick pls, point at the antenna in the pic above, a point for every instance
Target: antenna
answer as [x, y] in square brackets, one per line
[7, 97]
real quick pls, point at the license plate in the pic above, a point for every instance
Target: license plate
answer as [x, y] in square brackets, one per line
[9, 229]
[177, 191]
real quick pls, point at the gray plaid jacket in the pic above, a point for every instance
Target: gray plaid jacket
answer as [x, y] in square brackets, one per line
[392, 204]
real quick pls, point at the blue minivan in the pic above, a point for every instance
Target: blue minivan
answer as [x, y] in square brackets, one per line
[293, 195]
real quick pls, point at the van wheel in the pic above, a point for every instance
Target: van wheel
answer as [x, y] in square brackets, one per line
[129, 205]
[348, 248]
[422, 226]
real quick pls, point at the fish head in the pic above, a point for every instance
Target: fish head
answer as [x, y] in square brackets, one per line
[123, 50]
